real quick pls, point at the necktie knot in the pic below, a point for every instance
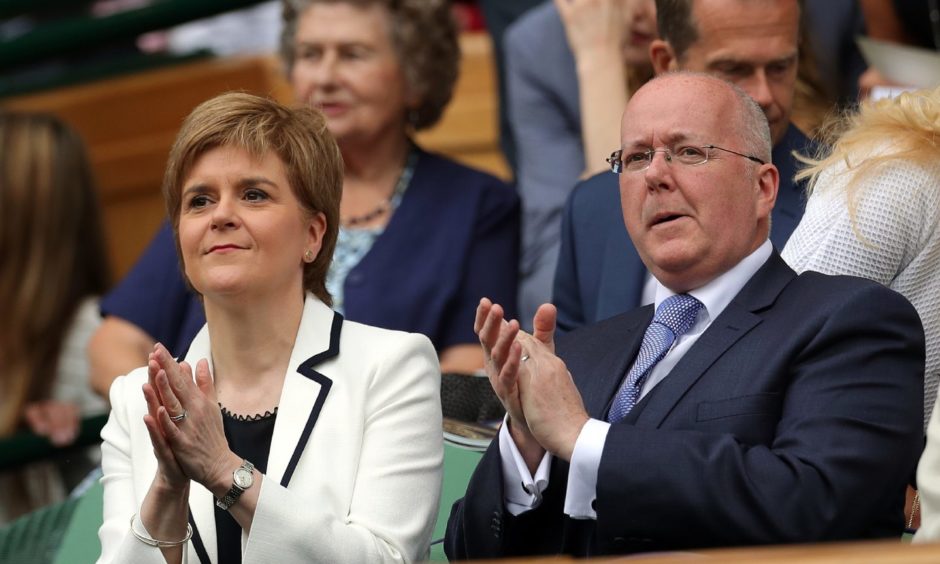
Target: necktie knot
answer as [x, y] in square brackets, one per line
[678, 313]
[674, 317]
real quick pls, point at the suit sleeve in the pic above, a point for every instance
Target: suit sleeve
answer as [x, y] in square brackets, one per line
[549, 152]
[398, 483]
[846, 440]
[566, 293]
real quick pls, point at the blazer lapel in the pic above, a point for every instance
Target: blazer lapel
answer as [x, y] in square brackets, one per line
[305, 390]
[609, 369]
[302, 397]
[735, 321]
[201, 500]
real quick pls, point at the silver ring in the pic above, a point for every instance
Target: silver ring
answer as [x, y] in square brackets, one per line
[178, 418]
[525, 357]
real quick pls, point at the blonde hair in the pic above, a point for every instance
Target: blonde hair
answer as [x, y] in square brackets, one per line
[298, 136]
[906, 128]
[52, 253]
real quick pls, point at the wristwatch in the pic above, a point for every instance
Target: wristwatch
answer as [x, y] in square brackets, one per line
[242, 479]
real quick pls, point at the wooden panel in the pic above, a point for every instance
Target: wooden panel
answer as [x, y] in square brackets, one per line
[130, 122]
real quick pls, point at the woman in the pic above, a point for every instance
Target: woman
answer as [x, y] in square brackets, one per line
[421, 239]
[327, 446]
[874, 211]
[52, 269]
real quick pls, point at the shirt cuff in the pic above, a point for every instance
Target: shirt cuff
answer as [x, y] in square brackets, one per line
[582, 475]
[521, 491]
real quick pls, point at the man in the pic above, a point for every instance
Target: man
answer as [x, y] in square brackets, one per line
[757, 407]
[752, 43]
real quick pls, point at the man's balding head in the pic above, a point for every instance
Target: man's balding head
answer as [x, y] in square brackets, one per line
[692, 222]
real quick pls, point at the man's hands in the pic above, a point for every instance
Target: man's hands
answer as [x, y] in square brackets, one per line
[545, 409]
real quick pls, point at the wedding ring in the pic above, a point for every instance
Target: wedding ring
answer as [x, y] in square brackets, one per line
[525, 357]
[178, 418]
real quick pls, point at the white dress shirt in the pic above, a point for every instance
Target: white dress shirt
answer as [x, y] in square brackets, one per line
[523, 491]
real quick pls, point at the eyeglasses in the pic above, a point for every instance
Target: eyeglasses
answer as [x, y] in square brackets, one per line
[690, 155]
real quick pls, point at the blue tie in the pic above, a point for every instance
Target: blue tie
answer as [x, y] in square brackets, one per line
[673, 317]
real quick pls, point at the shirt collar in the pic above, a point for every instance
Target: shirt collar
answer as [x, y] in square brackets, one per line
[717, 294]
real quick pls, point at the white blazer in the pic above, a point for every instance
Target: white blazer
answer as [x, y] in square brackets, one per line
[354, 472]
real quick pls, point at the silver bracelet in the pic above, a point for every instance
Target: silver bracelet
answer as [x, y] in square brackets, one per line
[160, 543]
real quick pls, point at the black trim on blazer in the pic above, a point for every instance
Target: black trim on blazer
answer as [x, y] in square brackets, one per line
[307, 370]
[198, 545]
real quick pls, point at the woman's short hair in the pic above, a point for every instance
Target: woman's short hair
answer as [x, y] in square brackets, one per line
[298, 136]
[425, 37]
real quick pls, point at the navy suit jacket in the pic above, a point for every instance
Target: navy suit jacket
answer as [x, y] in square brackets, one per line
[599, 271]
[789, 420]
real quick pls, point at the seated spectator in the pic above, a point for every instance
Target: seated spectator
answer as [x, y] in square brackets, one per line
[752, 405]
[52, 269]
[421, 237]
[570, 66]
[752, 44]
[874, 209]
[229, 448]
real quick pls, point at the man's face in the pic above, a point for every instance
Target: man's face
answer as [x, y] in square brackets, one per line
[752, 43]
[691, 223]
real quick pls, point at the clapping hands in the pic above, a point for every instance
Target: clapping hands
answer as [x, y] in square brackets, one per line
[185, 423]
[545, 408]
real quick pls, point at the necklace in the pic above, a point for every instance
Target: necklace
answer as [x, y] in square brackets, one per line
[392, 201]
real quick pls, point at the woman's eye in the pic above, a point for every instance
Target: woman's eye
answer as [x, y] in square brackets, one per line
[255, 195]
[199, 201]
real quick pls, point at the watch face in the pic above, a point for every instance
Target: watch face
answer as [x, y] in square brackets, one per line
[243, 478]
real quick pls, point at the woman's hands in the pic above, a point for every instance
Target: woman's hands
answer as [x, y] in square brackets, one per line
[185, 424]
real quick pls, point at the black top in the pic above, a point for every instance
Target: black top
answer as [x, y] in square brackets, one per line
[249, 438]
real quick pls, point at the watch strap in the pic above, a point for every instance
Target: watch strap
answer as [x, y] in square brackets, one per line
[232, 495]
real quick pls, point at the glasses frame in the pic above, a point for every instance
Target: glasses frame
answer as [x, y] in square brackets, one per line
[615, 160]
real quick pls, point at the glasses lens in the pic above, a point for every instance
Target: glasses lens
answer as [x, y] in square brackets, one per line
[690, 154]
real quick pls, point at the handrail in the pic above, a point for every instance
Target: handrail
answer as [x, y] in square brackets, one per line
[25, 446]
[79, 34]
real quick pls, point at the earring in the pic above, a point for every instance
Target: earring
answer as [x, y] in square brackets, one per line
[308, 255]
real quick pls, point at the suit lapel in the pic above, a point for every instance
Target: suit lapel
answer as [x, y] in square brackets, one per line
[741, 315]
[302, 398]
[305, 390]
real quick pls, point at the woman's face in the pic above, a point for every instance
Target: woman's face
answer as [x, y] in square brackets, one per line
[641, 31]
[346, 66]
[241, 229]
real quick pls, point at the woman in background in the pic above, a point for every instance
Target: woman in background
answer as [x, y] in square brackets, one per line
[874, 212]
[52, 270]
[421, 237]
[302, 437]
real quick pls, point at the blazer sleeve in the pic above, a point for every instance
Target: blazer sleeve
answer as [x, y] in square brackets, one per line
[118, 545]
[397, 491]
[928, 483]
[841, 452]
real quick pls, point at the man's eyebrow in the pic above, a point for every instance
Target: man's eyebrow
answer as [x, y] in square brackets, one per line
[732, 61]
